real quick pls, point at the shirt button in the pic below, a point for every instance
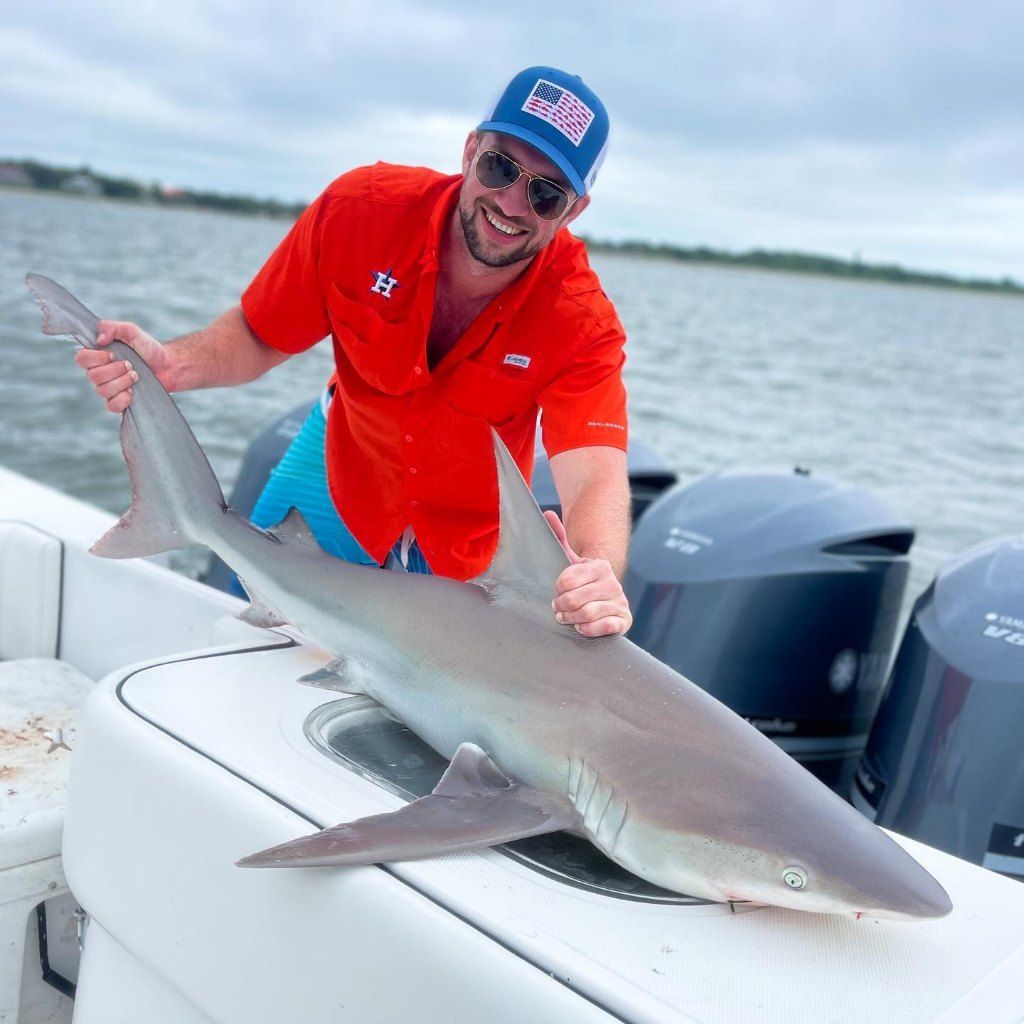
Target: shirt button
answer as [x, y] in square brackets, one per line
[413, 470]
[408, 437]
[413, 504]
[417, 370]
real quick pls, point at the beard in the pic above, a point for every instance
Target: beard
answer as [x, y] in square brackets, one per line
[478, 251]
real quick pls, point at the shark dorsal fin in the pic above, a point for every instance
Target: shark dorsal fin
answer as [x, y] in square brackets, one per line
[294, 528]
[529, 559]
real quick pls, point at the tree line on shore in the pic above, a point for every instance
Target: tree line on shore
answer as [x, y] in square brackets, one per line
[84, 181]
[808, 263]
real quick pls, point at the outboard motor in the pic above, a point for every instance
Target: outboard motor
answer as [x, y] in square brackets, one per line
[649, 477]
[778, 593]
[945, 760]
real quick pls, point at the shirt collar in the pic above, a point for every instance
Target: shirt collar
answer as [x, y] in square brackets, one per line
[508, 301]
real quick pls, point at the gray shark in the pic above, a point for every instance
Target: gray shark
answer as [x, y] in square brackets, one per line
[546, 730]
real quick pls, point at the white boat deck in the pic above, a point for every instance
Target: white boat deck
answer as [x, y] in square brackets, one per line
[66, 619]
[193, 753]
[644, 962]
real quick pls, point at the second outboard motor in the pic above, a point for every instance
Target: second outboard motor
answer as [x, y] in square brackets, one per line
[945, 760]
[778, 593]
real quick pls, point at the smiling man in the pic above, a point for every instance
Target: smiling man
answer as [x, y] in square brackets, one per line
[454, 304]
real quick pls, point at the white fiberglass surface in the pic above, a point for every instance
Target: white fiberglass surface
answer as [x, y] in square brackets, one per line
[645, 961]
[113, 613]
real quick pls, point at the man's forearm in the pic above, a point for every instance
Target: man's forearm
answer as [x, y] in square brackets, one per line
[597, 522]
[223, 353]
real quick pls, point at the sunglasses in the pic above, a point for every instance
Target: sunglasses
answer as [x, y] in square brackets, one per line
[496, 171]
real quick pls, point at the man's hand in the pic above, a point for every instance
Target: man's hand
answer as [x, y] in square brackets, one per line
[587, 593]
[113, 378]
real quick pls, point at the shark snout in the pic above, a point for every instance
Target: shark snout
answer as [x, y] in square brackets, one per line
[886, 882]
[921, 898]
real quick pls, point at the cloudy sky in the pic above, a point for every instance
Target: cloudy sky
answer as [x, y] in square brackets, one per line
[892, 129]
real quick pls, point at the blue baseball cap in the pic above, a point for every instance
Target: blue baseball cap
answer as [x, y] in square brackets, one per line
[557, 114]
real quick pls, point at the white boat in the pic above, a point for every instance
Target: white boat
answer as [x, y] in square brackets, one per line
[196, 746]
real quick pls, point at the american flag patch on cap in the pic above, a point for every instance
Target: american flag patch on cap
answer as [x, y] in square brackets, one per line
[559, 107]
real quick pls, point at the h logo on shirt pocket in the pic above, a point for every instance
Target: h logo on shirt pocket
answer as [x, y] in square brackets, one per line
[383, 282]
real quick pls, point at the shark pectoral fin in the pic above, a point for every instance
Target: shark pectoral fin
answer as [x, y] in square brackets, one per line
[294, 528]
[337, 675]
[471, 771]
[474, 805]
[259, 613]
[529, 559]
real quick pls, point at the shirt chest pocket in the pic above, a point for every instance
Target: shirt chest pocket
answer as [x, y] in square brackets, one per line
[382, 352]
[489, 394]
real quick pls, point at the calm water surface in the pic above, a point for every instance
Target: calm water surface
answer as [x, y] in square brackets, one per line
[914, 393]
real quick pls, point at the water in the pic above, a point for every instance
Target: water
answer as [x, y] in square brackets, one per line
[914, 393]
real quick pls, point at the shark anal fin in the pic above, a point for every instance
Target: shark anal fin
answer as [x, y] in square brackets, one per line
[474, 805]
[337, 674]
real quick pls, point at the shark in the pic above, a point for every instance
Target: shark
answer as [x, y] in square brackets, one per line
[545, 730]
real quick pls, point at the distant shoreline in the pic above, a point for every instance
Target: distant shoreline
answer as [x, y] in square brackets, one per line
[84, 183]
[789, 262]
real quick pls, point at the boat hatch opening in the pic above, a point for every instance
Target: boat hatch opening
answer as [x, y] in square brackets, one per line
[355, 732]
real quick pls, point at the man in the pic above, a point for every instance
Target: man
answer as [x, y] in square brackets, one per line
[454, 304]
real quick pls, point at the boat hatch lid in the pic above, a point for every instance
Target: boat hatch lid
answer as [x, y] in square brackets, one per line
[646, 960]
[357, 733]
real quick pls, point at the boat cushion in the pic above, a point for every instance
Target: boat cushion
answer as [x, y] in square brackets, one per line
[30, 570]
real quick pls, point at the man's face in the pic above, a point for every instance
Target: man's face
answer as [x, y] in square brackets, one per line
[484, 212]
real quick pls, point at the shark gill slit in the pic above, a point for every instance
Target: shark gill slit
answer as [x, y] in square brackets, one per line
[596, 827]
[583, 803]
[575, 775]
[588, 783]
[624, 815]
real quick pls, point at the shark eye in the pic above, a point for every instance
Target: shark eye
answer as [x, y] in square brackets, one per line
[794, 877]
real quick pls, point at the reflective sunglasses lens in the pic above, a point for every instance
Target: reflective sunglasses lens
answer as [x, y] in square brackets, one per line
[493, 170]
[546, 198]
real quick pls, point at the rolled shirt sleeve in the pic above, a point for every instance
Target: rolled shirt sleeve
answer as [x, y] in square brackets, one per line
[585, 404]
[284, 305]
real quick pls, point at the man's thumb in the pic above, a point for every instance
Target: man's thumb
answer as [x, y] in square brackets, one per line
[559, 531]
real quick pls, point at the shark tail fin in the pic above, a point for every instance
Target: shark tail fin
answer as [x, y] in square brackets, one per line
[176, 500]
[174, 491]
[62, 312]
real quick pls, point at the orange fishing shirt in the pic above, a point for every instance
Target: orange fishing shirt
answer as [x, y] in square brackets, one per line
[407, 444]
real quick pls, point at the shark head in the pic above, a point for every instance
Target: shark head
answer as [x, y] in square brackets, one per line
[808, 851]
[875, 879]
